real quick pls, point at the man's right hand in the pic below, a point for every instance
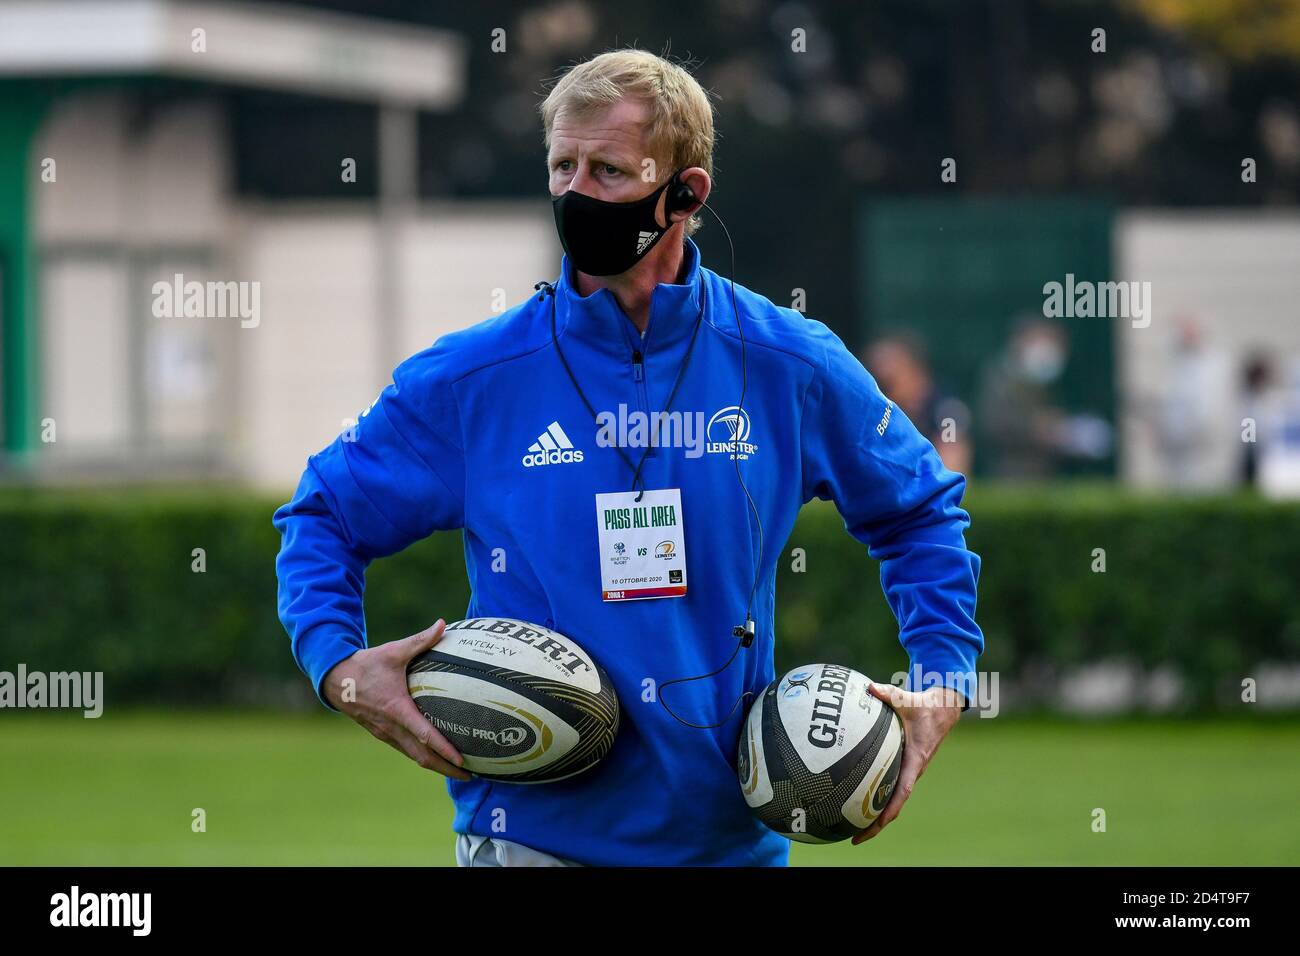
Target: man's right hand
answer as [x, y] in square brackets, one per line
[377, 698]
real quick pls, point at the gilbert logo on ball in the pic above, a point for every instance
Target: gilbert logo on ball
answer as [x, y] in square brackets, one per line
[522, 703]
[819, 755]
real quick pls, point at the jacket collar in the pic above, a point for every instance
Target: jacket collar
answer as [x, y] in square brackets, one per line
[598, 320]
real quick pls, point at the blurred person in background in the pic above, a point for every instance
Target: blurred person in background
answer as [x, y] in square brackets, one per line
[901, 365]
[1185, 411]
[1278, 435]
[1027, 433]
[1256, 383]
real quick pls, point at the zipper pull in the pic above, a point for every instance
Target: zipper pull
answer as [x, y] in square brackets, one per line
[637, 367]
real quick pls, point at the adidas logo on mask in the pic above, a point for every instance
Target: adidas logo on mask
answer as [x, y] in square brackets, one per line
[552, 448]
[643, 241]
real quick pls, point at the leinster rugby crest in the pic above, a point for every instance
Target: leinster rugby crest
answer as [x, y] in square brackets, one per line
[729, 434]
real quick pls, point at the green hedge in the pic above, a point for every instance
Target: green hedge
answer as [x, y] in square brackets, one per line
[1206, 587]
[102, 580]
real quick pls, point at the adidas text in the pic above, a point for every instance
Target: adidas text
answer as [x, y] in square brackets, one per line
[552, 447]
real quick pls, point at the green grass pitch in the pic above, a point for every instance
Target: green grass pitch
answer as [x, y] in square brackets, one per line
[313, 789]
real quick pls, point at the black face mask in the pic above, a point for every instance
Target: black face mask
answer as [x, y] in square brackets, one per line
[607, 238]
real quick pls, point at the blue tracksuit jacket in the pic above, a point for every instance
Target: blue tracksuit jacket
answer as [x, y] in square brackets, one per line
[444, 446]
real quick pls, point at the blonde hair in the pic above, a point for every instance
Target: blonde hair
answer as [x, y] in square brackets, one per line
[681, 116]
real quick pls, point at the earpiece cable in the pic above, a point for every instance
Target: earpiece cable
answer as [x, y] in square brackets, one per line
[743, 632]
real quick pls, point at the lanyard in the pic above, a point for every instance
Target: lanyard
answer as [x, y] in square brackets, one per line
[547, 289]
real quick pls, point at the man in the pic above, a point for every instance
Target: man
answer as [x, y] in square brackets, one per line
[902, 370]
[1027, 433]
[1024, 427]
[492, 431]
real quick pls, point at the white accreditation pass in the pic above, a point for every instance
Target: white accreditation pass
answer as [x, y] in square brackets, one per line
[642, 545]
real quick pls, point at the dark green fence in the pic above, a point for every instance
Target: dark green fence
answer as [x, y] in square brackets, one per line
[960, 273]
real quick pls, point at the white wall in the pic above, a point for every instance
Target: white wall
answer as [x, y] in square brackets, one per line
[318, 357]
[140, 196]
[1235, 275]
[84, 343]
[132, 195]
[457, 257]
[126, 175]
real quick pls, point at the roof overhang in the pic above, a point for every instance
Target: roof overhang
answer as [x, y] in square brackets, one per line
[286, 48]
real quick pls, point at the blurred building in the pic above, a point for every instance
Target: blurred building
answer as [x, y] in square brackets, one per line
[1225, 286]
[142, 140]
[121, 138]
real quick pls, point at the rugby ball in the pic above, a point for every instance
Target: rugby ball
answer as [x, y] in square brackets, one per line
[819, 755]
[520, 702]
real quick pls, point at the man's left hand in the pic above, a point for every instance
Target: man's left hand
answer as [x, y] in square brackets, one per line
[927, 717]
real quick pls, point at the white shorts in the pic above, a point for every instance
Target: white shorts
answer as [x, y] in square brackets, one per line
[474, 850]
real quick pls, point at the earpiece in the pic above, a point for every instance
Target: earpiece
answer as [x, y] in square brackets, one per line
[680, 196]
